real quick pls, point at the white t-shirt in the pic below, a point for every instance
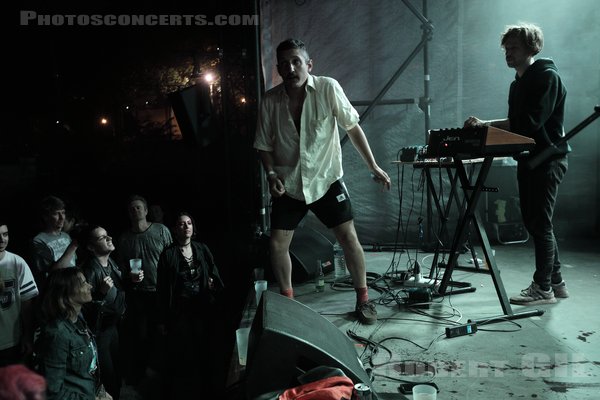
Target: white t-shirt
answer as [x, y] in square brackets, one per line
[19, 286]
[48, 248]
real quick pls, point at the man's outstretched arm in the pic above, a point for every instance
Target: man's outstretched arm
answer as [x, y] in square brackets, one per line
[359, 140]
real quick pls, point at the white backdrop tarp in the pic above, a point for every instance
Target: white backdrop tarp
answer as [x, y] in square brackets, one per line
[363, 43]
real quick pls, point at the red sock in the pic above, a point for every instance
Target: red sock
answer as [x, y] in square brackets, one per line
[288, 293]
[362, 295]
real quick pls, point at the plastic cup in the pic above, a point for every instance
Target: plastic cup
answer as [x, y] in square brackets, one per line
[241, 336]
[135, 264]
[259, 287]
[424, 392]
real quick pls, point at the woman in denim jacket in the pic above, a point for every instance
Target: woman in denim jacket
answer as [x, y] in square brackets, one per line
[66, 349]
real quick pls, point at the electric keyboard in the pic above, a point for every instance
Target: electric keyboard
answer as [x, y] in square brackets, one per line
[476, 142]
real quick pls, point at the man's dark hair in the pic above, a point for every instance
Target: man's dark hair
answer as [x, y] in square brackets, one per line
[86, 237]
[529, 34]
[292, 44]
[49, 204]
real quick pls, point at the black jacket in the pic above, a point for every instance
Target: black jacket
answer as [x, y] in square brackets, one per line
[536, 105]
[105, 309]
[168, 280]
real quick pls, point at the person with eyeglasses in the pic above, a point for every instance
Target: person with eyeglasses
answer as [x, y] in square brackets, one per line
[104, 313]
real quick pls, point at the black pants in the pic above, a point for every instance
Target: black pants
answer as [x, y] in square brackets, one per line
[193, 356]
[139, 333]
[109, 359]
[537, 191]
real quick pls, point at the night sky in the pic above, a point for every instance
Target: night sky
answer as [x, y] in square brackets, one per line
[74, 74]
[53, 67]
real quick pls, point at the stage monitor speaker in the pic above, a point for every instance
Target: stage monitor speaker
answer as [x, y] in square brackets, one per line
[308, 246]
[193, 110]
[287, 339]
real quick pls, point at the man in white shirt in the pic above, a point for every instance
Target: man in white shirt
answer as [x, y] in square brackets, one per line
[17, 289]
[299, 146]
[53, 248]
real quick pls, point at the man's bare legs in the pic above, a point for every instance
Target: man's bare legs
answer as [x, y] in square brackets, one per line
[345, 234]
[281, 262]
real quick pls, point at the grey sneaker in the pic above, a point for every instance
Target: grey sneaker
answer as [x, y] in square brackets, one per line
[366, 313]
[560, 290]
[534, 295]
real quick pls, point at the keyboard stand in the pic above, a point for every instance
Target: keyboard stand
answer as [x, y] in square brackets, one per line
[470, 217]
[444, 216]
[443, 235]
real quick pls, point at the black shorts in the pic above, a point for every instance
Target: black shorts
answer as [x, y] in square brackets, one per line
[332, 209]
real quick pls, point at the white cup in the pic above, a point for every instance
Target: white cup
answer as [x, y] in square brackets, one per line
[424, 392]
[241, 337]
[259, 287]
[135, 264]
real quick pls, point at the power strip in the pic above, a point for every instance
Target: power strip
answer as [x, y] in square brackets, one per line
[466, 329]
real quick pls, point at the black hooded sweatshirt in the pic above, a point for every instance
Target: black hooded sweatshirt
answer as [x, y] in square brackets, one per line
[536, 105]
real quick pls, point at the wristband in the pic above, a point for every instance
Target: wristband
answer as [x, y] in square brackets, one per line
[271, 173]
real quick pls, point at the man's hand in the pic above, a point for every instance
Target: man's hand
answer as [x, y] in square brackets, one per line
[276, 186]
[380, 176]
[474, 122]
[137, 277]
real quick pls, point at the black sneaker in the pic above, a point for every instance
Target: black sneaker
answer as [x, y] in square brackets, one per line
[366, 313]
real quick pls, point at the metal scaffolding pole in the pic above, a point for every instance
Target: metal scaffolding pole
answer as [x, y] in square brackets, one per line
[263, 215]
[424, 101]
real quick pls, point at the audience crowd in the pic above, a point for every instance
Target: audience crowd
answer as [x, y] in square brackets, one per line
[83, 314]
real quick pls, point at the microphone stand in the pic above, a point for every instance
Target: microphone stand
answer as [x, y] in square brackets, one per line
[552, 150]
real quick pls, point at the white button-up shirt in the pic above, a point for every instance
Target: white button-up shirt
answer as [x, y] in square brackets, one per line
[308, 162]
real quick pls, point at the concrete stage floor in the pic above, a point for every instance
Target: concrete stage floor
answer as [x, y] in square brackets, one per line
[552, 356]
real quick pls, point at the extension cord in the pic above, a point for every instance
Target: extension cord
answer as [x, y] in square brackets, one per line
[461, 330]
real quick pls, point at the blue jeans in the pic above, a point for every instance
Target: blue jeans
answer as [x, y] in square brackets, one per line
[537, 191]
